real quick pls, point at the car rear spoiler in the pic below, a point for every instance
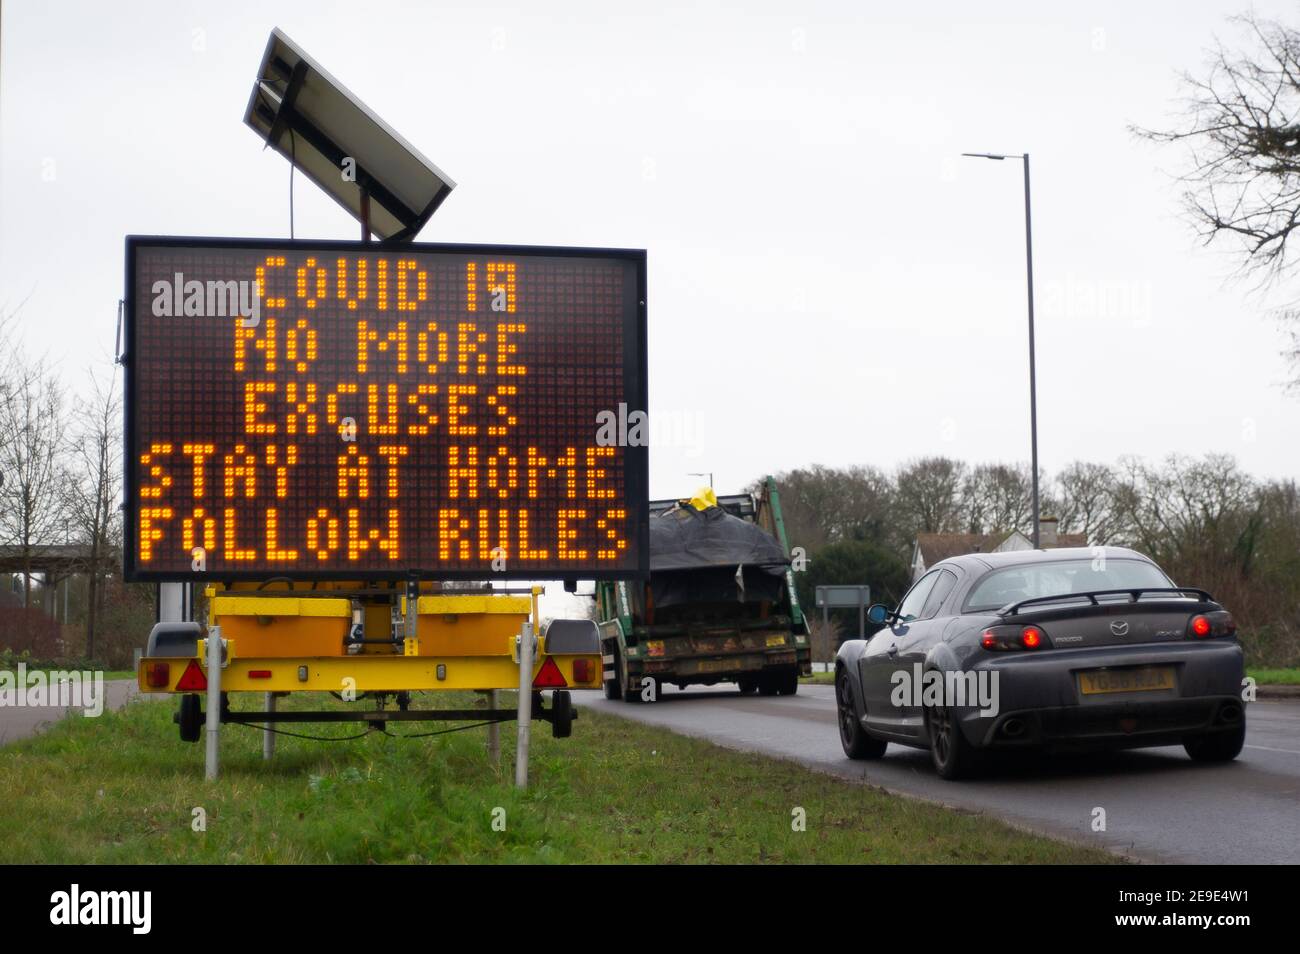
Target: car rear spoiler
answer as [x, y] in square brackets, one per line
[1012, 608]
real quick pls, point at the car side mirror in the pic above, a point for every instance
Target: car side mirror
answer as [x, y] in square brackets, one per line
[879, 613]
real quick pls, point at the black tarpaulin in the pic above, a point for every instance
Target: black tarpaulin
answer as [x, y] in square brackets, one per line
[709, 556]
[690, 539]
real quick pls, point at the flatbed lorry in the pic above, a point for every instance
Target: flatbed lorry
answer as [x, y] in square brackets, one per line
[719, 606]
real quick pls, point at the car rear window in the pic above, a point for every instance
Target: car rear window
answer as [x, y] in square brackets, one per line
[1032, 580]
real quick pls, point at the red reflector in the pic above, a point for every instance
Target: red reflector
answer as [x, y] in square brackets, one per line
[192, 679]
[549, 676]
[157, 675]
[1200, 626]
[582, 670]
[259, 674]
[1031, 637]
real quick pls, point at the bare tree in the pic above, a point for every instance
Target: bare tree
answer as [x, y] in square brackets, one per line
[31, 500]
[997, 497]
[94, 486]
[1083, 498]
[928, 495]
[1243, 141]
[824, 505]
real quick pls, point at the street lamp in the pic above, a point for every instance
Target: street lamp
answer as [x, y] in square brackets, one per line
[1033, 379]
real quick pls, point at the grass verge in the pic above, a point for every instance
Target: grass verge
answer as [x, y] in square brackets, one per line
[1275, 677]
[123, 789]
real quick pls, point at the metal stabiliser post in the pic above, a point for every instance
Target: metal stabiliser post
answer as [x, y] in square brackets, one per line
[214, 702]
[525, 704]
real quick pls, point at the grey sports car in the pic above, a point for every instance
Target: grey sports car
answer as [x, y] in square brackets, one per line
[1067, 648]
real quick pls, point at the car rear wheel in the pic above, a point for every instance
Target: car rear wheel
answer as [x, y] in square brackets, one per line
[853, 737]
[1217, 746]
[953, 756]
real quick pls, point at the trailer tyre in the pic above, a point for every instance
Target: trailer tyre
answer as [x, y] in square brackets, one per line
[747, 686]
[562, 714]
[614, 686]
[190, 717]
[787, 684]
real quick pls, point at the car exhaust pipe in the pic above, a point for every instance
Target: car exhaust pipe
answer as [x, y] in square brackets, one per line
[1013, 728]
[1230, 713]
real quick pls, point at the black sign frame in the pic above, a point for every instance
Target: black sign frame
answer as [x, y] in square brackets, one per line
[636, 396]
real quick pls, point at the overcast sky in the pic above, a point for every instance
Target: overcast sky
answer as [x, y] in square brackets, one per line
[828, 281]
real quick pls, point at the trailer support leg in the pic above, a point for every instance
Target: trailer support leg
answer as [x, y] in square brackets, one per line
[525, 703]
[268, 737]
[494, 730]
[214, 702]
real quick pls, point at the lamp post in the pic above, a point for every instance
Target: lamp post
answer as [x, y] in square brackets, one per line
[1033, 377]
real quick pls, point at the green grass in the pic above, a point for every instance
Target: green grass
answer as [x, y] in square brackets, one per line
[122, 789]
[819, 679]
[1275, 677]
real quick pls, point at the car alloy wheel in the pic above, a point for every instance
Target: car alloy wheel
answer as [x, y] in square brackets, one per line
[952, 755]
[856, 742]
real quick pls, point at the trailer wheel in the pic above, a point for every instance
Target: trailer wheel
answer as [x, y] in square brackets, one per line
[561, 714]
[787, 684]
[189, 717]
[747, 686]
[767, 685]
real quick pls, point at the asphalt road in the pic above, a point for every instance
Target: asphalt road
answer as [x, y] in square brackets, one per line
[1160, 806]
[18, 722]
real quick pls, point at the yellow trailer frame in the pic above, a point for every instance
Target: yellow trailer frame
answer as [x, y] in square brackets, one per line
[282, 642]
[363, 641]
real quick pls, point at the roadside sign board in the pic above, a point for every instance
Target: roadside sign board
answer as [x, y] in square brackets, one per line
[843, 597]
[341, 410]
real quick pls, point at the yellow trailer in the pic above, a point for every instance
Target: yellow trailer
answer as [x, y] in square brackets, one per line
[363, 643]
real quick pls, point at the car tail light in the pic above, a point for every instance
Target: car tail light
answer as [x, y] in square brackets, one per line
[549, 676]
[157, 675]
[1014, 638]
[1211, 625]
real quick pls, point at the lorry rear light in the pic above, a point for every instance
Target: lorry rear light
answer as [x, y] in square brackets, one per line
[192, 679]
[583, 670]
[259, 674]
[157, 675]
[549, 676]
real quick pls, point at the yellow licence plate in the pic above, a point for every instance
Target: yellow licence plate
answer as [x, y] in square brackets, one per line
[1146, 679]
[719, 665]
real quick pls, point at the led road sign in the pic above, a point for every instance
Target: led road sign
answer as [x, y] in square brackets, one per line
[333, 410]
